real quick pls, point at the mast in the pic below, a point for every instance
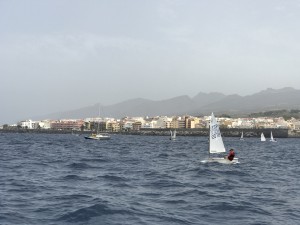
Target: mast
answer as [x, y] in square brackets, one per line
[209, 138]
[209, 147]
[99, 119]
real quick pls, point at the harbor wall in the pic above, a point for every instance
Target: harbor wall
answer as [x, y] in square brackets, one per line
[226, 132]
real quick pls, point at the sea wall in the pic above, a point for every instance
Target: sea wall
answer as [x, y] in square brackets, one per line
[233, 132]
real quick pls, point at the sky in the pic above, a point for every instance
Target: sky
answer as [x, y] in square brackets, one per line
[58, 55]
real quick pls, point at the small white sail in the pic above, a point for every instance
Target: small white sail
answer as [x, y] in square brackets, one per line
[172, 135]
[272, 139]
[242, 136]
[216, 144]
[262, 137]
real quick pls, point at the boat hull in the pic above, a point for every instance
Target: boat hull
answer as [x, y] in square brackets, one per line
[223, 160]
[91, 138]
[97, 137]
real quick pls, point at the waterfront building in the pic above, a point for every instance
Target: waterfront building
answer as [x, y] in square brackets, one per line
[181, 122]
[126, 125]
[67, 124]
[136, 125]
[163, 122]
[280, 122]
[296, 125]
[293, 124]
[192, 122]
[149, 125]
[26, 124]
[113, 126]
[44, 124]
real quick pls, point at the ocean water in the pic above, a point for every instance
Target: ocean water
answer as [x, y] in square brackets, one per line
[65, 179]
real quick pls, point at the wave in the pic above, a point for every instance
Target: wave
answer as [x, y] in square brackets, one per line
[114, 178]
[97, 160]
[87, 213]
[189, 193]
[73, 177]
[237, 207]
[162, 183]
[79, 166]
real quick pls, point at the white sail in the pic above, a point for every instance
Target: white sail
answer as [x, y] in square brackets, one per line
[172, 135]
[262, 137]
[272, 139]
[242, 136]
[272, 136]
[216, 144]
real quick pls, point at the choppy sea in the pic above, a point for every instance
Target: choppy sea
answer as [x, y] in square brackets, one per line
[64, 179]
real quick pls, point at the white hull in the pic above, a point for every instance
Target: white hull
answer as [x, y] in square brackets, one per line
[221, 160]
[98, 137]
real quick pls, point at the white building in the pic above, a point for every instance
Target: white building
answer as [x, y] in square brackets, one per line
[44, 124]
[128, 125]
[151, 124]
[163, 122]
[27, 124]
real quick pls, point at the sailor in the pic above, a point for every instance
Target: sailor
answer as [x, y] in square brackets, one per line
[231, 155]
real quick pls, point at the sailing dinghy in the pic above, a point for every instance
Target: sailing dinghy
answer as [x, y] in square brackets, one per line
[242, 136]
[262, 137]
[216, 145]
[173, 135]
[272, 139]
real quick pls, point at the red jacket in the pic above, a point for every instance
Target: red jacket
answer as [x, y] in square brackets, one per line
[231, 155]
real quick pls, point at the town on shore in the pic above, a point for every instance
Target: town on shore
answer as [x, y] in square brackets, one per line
[159, 125]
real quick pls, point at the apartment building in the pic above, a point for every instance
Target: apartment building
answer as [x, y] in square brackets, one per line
[27, 124]
[67, 124]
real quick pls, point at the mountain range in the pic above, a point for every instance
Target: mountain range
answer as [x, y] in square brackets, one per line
[201, 104]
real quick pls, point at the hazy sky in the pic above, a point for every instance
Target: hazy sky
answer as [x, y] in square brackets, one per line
[57, 55]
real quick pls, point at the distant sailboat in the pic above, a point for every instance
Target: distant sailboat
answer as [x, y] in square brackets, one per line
[173, 135]
[262, 137]
[98, 135]
[272, 139]
[216, 144]
[242, 136]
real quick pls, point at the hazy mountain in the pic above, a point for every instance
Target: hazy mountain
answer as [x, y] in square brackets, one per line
[203, 99]
[142, 107]
[269, 99]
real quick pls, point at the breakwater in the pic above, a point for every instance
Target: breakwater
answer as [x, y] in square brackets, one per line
[226, 132]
